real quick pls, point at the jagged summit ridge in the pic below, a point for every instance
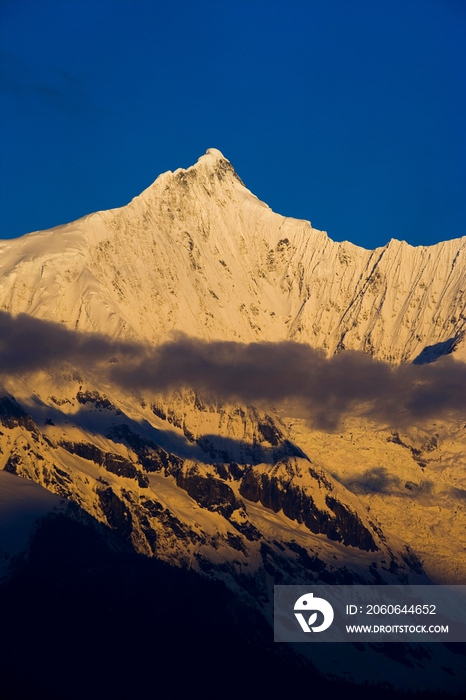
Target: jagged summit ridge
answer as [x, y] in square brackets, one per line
[199, 253]
[212, 163]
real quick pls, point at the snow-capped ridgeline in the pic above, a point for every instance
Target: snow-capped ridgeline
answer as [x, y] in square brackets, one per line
[198, 252]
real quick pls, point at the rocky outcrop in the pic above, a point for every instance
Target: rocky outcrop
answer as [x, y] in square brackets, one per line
[13, 416]
[216, 495]
[116, 512]
[151, 456]
[210, 492]
[279, 489]
[96, 400]
[114, 463]
[226, 432]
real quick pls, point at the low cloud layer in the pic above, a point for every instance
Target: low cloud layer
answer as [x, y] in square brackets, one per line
[324, 390]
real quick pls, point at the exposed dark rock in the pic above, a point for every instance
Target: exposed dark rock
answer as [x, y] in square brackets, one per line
[179, 529]
[13, 416]
[282, 244]
[95, 398]
[154, 460]
[236, 471]
[415, 452]
[61, 473]
[114, 463]
[168, 521]
[269, 431]
[320, 478]
[247, 529]
[59, 402]
[211, 493]
[188, 434]
[151, 457]
[235, 542]
[287, 448]
[83, 449]
[60, 480]
[198, 403]
[286, 564]
[12, 463]
[158, 411]
[116, 511]
[222, 471]
[224, 167]
[205, 564]
[149, 532]
[226, 450]
[250, 486]
[278, 493]
[285, 568]
[154, 508]
[353, 531]
[174, 419]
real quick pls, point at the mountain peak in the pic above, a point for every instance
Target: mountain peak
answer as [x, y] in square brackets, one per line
[214, 160]
[215, 262]
[215, 153]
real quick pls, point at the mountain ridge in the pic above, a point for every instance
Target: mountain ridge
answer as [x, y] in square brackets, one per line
[218, 263]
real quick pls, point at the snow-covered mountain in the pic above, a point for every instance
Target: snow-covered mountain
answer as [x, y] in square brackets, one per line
[247, 494]
[198, 252]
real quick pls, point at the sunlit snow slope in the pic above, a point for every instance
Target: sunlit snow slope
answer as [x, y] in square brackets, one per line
[198, 252]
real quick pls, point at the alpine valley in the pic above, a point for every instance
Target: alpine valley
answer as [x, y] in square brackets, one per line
[142, 530]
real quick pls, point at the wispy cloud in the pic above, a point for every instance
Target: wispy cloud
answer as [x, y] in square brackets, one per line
[325, 390]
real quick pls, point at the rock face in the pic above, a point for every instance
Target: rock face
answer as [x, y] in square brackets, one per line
[283, 488]
[238, 492]
[200, 511]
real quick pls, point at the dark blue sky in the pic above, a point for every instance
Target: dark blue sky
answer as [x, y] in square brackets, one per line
[350, 113]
